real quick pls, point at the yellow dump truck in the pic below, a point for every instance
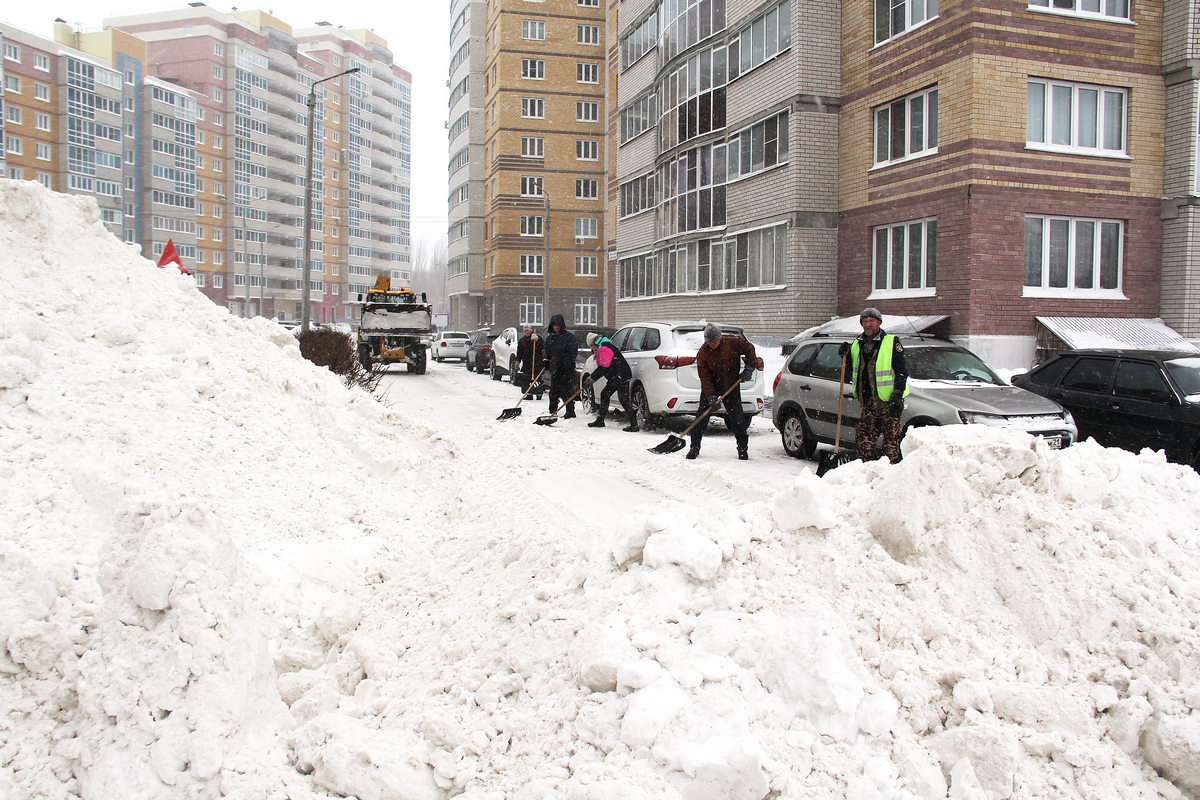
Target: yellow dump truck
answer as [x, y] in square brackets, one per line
[394, 327]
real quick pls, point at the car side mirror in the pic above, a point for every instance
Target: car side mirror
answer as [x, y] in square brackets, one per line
[360, 298]
[423, 300]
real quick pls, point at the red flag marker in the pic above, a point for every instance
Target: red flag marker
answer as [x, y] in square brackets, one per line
[169, 256]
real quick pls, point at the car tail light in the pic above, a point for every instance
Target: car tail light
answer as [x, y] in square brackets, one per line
[443, 344]
[487, 348]
[671, 402]
[672, 362]
[759, 400]
[775, 385]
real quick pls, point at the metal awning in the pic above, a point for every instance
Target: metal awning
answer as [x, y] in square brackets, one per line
[892, 323]
[1103, 333]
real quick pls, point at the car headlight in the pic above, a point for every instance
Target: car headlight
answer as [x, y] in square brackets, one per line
[978, 418]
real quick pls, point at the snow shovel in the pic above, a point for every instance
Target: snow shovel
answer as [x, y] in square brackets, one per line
[674, 443]
[515, 411]
[550, 419]
[831, 459]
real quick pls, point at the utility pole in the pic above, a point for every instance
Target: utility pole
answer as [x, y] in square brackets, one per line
[546, 262]
[305, 311]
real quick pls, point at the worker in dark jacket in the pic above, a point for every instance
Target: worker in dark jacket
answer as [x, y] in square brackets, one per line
[719, 364]
[531, 352]
[880, 379]
[612, 366]
[559, 363]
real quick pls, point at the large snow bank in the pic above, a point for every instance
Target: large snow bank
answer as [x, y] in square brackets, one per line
[223, 574]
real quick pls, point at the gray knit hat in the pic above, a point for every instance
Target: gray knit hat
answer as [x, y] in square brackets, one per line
[712, 332]
[870, 312]
[591, 338]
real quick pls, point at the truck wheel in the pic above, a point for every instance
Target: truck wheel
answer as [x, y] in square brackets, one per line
[418, 364]
[364, 356]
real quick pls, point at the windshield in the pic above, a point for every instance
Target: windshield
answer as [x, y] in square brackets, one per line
[947, 364]
[455, 336]
[390, 299]
[692, 338]
[1186, 374]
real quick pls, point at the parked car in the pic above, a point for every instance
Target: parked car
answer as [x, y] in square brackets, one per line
[450, 344]
[948, 385]
[1130, 399]
[662, 357]
[504, 354]
[581, 333]
[479, 353]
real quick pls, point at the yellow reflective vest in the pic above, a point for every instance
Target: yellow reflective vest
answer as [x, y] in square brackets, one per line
[885, 376]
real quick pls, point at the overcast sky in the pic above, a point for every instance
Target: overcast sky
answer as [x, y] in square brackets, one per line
[417, 33]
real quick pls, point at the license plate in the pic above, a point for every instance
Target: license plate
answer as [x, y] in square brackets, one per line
[1053, 442]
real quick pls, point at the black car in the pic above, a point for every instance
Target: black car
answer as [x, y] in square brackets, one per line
[1128, 398]
[479, 354]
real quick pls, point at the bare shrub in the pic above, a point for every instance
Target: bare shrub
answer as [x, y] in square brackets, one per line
[334, 350]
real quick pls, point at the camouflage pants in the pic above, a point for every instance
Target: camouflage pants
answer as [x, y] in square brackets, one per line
[874, 421]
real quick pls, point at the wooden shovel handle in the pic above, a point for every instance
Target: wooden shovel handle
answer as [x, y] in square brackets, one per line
[708, 410]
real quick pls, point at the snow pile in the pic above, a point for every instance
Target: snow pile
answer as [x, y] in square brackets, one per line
[224, 574]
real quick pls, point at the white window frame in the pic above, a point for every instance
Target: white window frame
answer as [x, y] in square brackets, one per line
[586, 266]
[41, 61]
[531, 186]
[587, 72]
[41, 121]
[533, 30]
[41, 92]
[587, 149]
[884, 255]
[533, 108]
[530, 308]
[12, 145]
[1120, 9]
[533, 147]
[1072, 226]
[12, 114]
[533, 69]
[586, 227]
[531, 225]
[531, 263]
[587, 34]
[587, 188]
[587, 111]
[12, 83]
[43, 151]
[12, 52]
[919, 128]
[1052, 95]
[587, 310]
[917, 13]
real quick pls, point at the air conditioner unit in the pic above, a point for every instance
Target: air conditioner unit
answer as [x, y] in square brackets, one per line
[579, 240]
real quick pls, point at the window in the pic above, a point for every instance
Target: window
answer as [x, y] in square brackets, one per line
[894, 17]
[13, 114]
[41, 61]
[533, 108]
[1075, 117]
[459, 195]
[636, 196]
[904, 259]
[759, 147]
[218, 49]
[531, 225]
[639, 116]
[587, 34]
[43, 151]
[16, 173]
[1068, 256]
[693, 97]
[587, 149]
[588, 3]
[585, 227]
[585, 266]
[587, 73]
[531, 264]
[533, 146]
[533, 29]
[907, 128]
[533, 68]
[761, 40]
[41, 92]
[585, 310]
[587, 188]
[13, 145]
[12, 52]
[44, 179]
[12, 83]
[218, 72]
[1112, 9]
[638, 42]
[530, 310]
[587, 112]
[531, 186]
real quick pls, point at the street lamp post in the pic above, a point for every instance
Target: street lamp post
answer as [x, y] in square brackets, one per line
[305, 311]
[546, 262]
[246, 258]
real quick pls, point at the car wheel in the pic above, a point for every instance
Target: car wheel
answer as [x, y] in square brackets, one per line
[1195, 462]
[495, 370]
[641, 410]
[797, 442]
[512, 371]
[470, 368]
[587, 399]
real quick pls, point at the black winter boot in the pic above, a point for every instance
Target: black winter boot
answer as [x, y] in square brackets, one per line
[631, 427]
[743, 453]
[570, 411]
[598, 423]
[693, 451]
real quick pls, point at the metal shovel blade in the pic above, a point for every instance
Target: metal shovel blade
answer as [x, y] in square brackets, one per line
[509, 413]
[550, 420]
[832, 460]
[672, 444]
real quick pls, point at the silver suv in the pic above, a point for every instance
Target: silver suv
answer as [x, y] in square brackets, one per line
[948, 385]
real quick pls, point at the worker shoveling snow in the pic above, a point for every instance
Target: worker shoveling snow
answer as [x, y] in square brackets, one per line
[224, 574]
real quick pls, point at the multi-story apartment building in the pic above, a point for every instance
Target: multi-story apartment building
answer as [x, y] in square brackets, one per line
[726, 132]
[1002, 162]
[534, 212]
[1181, 179]
[467, 168]
[253, 74]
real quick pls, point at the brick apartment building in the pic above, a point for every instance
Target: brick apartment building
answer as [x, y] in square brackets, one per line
[527, 162]
[191, 125]
[725, 128]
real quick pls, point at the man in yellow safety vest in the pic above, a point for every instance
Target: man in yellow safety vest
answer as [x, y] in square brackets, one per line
[880, 379]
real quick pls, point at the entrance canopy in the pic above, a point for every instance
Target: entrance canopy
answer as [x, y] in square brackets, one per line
[1104, 333]
[892, 323]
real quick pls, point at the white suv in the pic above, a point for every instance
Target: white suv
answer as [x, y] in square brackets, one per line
[504, 354]
[662, 357]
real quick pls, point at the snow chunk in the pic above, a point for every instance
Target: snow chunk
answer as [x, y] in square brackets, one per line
[1172, 746]
[730, 769]
[650, 710]
[805, 503]
[697, 555]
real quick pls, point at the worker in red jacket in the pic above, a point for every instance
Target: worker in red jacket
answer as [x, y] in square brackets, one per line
[719, 363]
